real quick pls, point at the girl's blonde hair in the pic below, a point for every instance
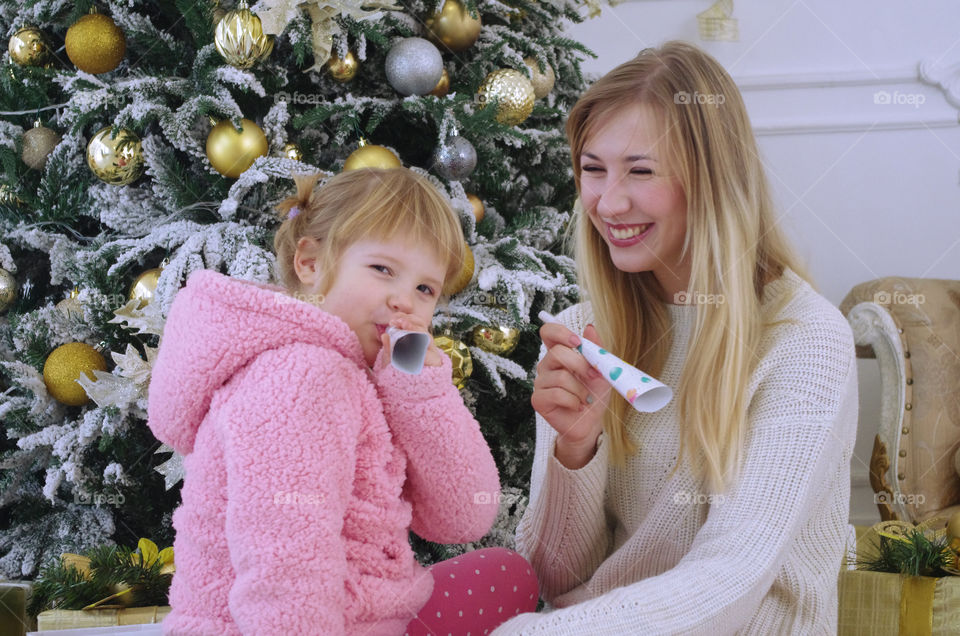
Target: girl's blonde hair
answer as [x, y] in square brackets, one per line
[369, 203]
[732, 238]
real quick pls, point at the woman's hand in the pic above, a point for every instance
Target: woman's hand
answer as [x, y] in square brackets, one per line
[409, 322]
[570, 394]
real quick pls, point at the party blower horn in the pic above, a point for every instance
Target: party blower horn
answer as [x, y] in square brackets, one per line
[408, 349]
[643, 392]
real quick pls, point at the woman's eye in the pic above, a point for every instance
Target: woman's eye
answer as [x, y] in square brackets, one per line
[381, 268]
[591, 168]
[644, 172]
[425, 289]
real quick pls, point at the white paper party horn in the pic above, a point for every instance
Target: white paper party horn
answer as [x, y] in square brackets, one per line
[643, 392]
[408, 349]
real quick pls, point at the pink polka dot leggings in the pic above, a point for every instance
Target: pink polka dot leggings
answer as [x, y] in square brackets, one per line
[475, 592]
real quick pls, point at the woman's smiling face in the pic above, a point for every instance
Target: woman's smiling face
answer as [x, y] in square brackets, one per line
[638, 208]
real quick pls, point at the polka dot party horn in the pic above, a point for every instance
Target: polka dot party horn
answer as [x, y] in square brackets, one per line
[643, 392]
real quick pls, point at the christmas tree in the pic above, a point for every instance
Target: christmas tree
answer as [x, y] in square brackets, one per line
[142, 140]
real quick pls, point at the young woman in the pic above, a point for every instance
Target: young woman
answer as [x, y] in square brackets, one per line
[726, 511]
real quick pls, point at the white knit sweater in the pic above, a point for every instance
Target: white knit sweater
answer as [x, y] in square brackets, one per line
[639, 551]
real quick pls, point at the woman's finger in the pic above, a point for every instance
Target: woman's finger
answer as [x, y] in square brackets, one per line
[560, 357]
[553, 334]
[563, 379]
[550, 400]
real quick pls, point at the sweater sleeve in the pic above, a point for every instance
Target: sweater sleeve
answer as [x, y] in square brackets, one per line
[452, 480]
[802, 415]
[290, 455]
[564, 532]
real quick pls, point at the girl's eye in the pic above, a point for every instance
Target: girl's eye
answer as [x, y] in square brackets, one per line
[591, 168]
[425, 289]
[381, 268]
[642, 172]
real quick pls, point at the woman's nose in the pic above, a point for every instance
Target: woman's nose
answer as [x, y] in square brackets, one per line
[613, 198]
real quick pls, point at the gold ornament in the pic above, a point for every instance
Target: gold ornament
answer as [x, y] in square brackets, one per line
[478, 209]
[371, 156]
[71, 306]
[443, 86]
[292, 151]
[95, 43]
[542, 82]
[496, 339]
[232, 151]
[953, 532]
[343, 70]
[240, 38]
[453, 27]
[115, 160]
[65, 365]
[8, 290]
[463, 279]
[38, 143]
[513, 93]
[459, 356]
[145, 287]
[29, 46]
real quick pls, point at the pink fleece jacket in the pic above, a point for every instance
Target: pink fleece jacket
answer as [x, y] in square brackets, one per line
[305, 470]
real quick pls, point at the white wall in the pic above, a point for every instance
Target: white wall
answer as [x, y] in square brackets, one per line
[866, 189]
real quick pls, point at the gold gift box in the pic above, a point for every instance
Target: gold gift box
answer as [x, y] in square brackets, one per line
[69, 619]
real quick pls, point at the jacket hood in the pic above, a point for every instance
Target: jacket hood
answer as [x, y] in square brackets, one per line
[216, 326]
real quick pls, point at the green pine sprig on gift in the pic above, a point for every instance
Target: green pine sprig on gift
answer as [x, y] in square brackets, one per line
[915, 554]
[108, 576]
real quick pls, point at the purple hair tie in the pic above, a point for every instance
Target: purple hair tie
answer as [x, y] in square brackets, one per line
[294, 211]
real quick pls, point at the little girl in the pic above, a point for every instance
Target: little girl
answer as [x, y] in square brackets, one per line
[308, 457]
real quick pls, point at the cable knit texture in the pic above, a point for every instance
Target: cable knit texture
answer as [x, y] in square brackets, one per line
[639, 550]
[304, 469]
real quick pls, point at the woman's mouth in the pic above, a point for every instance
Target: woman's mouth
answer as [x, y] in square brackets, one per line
[626, 235]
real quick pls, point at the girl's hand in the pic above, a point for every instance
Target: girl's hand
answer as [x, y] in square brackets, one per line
[409, 322]
[570, 394]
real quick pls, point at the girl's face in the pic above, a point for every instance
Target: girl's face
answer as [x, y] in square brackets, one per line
[379, 280]
[633, 202]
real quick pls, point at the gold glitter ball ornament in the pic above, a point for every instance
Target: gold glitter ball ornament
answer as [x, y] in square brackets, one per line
[71, 306]
[38, 143]
[65, 365]
[542, 82]
[240, 38]
[512, 92]
[29, 46]
[496, 338]
[478, 209]
[8, 290]
[463, 279]
[443, 86]
[343, 70]
[232, 151]
[459, 356]
[453, 28]
[117, 160]
[292, 151]
[95, 43]
[144, 288]
[371, 156]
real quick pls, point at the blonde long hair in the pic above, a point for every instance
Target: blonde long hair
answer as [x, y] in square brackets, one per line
[732, 238]
[369, 203]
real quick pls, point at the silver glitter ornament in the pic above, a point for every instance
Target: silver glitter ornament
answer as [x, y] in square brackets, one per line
[455, 159]
[38, 143]
[414, 66]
